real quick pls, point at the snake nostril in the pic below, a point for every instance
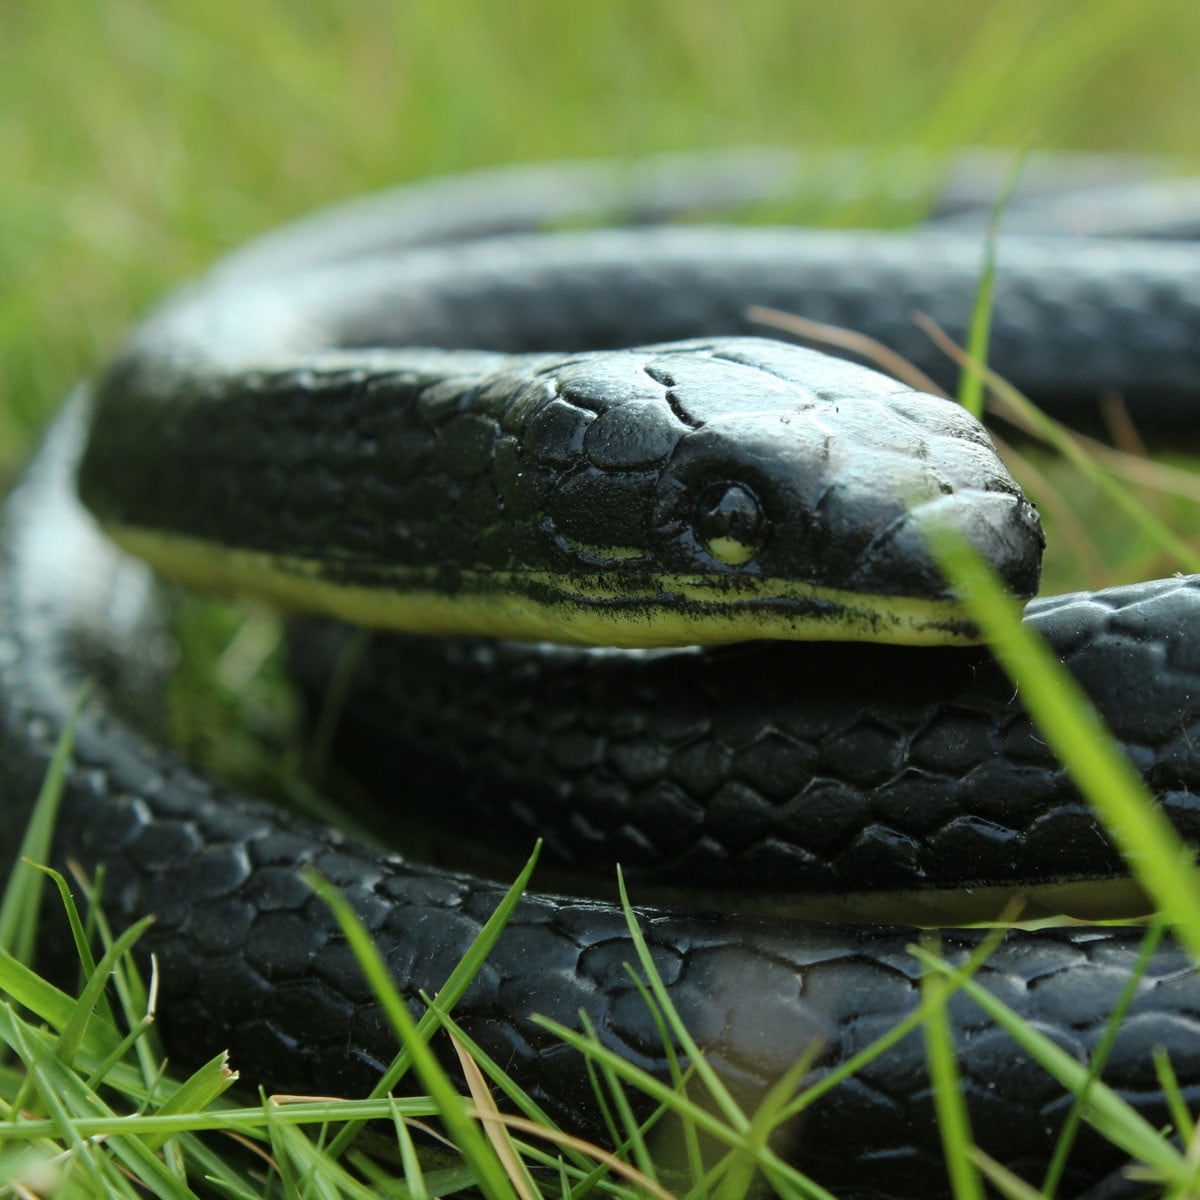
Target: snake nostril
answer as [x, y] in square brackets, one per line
[729, 523]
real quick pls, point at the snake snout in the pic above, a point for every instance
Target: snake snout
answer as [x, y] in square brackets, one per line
[1003, 529]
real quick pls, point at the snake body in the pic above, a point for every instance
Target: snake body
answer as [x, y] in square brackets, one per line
[934, 785]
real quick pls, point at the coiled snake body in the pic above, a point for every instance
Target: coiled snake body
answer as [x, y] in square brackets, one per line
[666, 495]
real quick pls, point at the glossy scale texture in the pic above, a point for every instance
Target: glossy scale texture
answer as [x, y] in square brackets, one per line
[251, 960]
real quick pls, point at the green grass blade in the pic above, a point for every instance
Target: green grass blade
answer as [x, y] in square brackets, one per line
[308, 1171]
[196, 1092]
[1029, 417]
[725, 1102]
[587, 1171]
[740, 1168]
[117, 1054]
[51, 1004]
[465, 1133]
[1185, 1124]
[706, 1121]
[902, 1028]
[971, 384]
[248, 1121]
[76, 1027]
[1105, 1110]
[631, 1138]
[1099, 1056]
[1071, 726]
[679, 1077]
[1009, 1185]
[599, 1090]
[132, 995]
[79, 936]
[21, 906]
[414, 1173]
[452, 990]
[507, 1086]
[67, 1100]
[953, 1122]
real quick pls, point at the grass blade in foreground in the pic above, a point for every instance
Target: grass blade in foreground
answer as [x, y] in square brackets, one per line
[22, 901]
[1066, 1138]
[456, 983]
[1027, 416]
[954, 1123]
[970, 387]
[1106, 1112]
[1069, 722]
[464, 1131]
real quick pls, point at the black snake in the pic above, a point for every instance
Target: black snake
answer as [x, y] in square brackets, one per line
[892, 772]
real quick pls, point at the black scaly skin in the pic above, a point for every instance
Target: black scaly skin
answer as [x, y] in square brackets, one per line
[476, 464]
[251, 960]
[819, 769]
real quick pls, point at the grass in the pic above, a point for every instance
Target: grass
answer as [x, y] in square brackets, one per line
[91, 1109]
[140, 139]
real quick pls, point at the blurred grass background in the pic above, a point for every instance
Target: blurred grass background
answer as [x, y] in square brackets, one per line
[140, 138]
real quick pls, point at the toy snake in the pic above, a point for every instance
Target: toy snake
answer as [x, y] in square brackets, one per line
[422, 412]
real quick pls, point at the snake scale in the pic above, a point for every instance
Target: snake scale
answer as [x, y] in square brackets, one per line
[895, 773]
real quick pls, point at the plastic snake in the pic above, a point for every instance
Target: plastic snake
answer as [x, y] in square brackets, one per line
[415, 395]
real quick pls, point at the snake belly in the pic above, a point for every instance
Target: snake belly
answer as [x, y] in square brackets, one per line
[937, 775]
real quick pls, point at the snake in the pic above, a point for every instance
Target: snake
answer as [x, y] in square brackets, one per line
[660, 593]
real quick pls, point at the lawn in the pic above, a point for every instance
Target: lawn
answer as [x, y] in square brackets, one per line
[141, 140]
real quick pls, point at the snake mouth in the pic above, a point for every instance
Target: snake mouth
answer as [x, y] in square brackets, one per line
[593, 608]
[682, 610]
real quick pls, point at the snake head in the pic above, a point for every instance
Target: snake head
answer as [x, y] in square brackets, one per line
[793, 496]
[820, 480]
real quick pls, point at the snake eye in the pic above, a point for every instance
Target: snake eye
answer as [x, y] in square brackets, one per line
[729, 523]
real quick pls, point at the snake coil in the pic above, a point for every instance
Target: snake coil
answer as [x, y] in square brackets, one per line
[898, 772]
